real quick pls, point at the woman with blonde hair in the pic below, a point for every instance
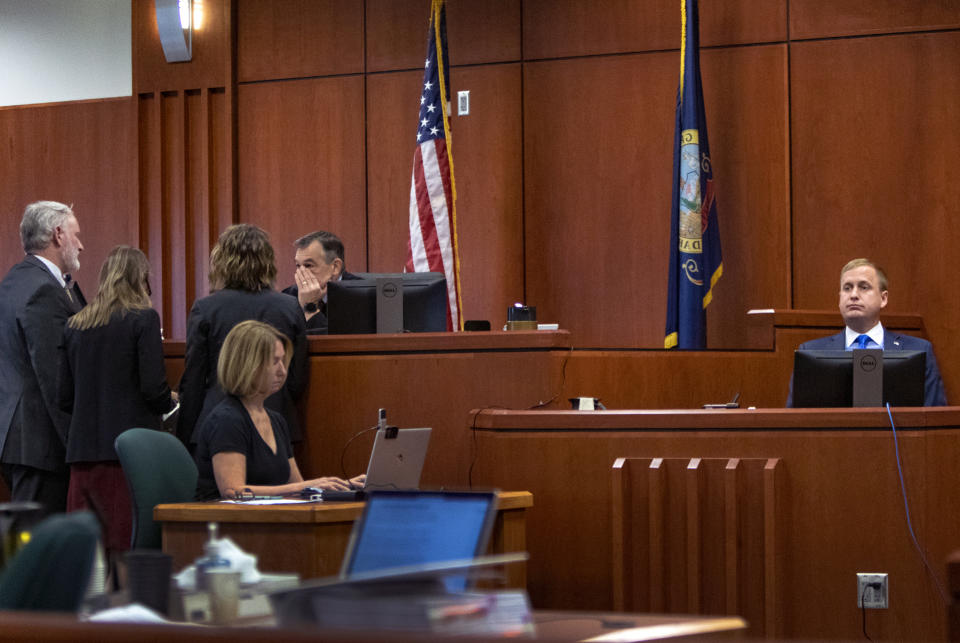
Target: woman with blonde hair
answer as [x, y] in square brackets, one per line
[243, 447]
[112, 378]
[242, 272]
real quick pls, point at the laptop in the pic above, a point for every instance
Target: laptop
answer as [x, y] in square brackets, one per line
[406, 544]
[403, 528]
[396, 462]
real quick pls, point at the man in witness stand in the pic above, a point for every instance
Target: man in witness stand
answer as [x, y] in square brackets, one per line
[319, 260]
[36, 298]
[863, 294]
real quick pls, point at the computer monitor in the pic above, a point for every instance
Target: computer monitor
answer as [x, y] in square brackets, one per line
[402, 528]
[353, 304]
[824, 378]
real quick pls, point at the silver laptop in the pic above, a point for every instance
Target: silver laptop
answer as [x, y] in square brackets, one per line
[396, 462]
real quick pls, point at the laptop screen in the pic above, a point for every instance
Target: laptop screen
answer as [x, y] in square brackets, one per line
[400, 528]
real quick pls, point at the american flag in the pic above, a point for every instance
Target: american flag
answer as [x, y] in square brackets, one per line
[433, 213]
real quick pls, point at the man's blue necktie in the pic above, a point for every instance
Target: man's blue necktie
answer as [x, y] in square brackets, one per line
[862, 341]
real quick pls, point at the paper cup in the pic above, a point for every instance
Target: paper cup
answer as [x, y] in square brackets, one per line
[223, 586]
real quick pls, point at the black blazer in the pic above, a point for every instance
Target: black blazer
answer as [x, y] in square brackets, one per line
[211, 318]
[33, 310]
[112, 378]
[317, 325]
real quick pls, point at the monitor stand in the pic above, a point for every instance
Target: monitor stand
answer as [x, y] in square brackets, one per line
[867, 377]
[389, 305]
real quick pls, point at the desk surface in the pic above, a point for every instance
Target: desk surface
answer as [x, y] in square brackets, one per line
[310, 539]
[312, 512]
[945, 417]
[551, 626]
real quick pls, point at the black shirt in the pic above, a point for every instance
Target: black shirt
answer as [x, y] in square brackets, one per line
[229, 428]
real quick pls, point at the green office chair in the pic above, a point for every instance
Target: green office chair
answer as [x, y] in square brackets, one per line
[158, 469]
[51, 572]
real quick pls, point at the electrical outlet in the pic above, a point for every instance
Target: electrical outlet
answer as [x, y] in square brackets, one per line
[872, 591]
[463, 103]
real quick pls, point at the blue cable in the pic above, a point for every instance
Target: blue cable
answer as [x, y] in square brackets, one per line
[906, 507]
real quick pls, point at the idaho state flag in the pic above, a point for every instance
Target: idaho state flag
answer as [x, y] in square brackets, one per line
[695, 260]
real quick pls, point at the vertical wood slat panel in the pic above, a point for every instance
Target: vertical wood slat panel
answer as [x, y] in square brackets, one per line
[174, 146]
[620, 551]
[656, 480]
[150, 128]
[693, 480]
[770, 535]
[726, 503]
[730, 522]
[223, 201]
[185, 193]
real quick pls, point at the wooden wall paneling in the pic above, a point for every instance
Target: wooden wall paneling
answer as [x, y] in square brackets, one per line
[429, 389]
[597, 190]
[396, 34]
[746, 97]
[152, 222]
[392, 108]
[297, 38]
[80, 153]
[557, 28]
[482, 32]
[477, 32]
[598, 141]
[488, 168]
[669, 380]
[300, 156]
[173, 186]
[222, 143]
[830, 18]
[196, 192]
[186, 159]
[886, 192]
[212, 50]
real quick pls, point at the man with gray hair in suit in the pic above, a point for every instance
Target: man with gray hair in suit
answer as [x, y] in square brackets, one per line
[36, 298]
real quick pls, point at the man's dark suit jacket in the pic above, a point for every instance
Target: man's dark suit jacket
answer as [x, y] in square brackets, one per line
[317, 325]
[112, 378]
[933, 393]
[211, 318]
[33, 310]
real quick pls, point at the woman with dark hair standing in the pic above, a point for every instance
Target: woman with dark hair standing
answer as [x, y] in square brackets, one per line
[242, 273]
[112, 378]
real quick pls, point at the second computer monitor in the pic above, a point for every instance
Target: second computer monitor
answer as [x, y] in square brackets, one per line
[353, 304]
[824, 378]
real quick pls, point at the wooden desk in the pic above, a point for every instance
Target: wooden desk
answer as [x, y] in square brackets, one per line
[561, 627]
[833, 508]
[309, 539]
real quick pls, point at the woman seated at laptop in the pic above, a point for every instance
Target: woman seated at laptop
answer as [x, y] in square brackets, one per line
[242, 446]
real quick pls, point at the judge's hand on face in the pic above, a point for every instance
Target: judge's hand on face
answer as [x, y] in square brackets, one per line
[309, 288]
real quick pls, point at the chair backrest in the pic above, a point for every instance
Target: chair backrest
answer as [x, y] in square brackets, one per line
[158, 469]
[51, 572]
